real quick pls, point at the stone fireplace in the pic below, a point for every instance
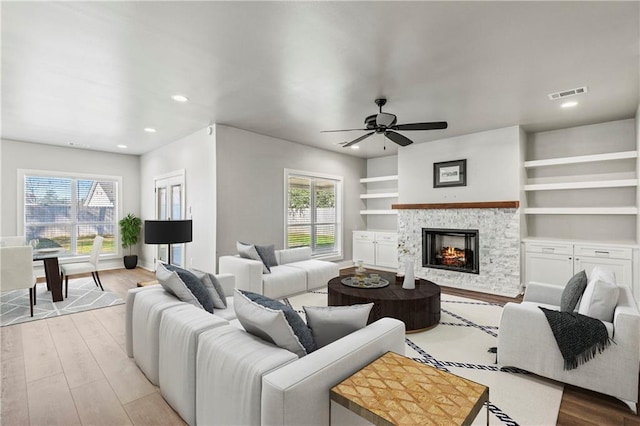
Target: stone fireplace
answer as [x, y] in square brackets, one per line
[497, 245]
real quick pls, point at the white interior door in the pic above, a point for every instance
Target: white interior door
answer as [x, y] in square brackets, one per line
[170, 205]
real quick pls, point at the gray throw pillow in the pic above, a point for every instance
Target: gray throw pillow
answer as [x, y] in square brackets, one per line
[213, 286]
[331, 323]
[249, 251]
[268, 255]
[195, 286]
[572, 292]
[273, 322]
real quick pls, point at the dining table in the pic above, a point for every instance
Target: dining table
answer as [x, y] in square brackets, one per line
[50, 256]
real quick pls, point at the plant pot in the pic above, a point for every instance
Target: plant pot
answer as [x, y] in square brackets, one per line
[131, 261]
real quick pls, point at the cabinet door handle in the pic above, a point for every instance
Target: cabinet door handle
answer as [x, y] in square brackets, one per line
[602, 253]
[577, 259]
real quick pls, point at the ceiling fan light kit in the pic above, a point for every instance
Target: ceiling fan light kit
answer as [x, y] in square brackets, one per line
[385, 123]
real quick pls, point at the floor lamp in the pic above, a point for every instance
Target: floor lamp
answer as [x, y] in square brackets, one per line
[168, 232]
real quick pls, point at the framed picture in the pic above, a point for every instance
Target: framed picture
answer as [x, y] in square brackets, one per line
[450, 173]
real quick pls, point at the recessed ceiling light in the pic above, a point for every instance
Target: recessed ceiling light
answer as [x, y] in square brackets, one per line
[355, 147]
[569, 104]
[121, 146]
[149, 129]
[179, 98]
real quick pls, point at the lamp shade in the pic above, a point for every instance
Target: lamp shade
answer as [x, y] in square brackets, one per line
[168, 231]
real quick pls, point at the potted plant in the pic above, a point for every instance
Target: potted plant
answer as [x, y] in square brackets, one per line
[129, 232]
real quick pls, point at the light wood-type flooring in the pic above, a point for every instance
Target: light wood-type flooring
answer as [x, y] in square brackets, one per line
[74, 370]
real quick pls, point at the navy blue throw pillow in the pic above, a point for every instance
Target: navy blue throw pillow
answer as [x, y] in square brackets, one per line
[300, 329]
[195, 286]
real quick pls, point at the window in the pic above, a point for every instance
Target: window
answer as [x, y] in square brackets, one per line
[61, 210]
[314, 213]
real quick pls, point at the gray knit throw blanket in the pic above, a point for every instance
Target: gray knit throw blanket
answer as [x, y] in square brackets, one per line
[579, 337]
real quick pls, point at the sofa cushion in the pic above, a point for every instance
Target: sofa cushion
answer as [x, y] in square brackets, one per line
[233, 363]
[319, 272]
[284, 281]
[331, 323]
[294, 255]
[600, 300]
[213, 286]
[185, 286]
[274, 322]
[572, 292]
[180, 329]
[249, 251]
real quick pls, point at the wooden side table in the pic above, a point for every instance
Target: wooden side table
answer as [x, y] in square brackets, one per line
[396, 390]
[146, 283]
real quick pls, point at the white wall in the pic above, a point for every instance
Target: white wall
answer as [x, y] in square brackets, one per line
[251, 186]
[196, 155]
[493, 168]
[22, 155]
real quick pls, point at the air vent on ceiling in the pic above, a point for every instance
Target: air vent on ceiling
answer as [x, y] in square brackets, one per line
[567, 93]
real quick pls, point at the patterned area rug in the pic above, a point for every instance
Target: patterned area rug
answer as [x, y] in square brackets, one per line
[459, 345]
[83, 296]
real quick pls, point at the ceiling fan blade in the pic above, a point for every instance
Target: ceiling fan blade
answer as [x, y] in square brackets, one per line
[344, 130]
[435, 125]
[398, 138]
[355, 141]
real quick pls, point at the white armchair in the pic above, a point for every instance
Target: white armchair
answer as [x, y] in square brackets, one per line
[526, 341]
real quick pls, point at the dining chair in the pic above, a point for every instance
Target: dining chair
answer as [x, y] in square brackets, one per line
[16, 270]
[12, 241]
[84, 267]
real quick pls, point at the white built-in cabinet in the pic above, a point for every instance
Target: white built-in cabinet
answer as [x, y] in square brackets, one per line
[376, 248]
[555, 262]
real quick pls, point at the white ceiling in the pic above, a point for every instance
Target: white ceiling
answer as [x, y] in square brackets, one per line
[98, 73]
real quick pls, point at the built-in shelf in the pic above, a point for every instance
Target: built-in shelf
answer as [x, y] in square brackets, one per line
[583, 210]
[582, 185]
[380, 195]
[378, 212]
[582, 159]
[379, 179]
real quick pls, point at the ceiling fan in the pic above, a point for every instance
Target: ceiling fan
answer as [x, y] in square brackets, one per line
[385, 123]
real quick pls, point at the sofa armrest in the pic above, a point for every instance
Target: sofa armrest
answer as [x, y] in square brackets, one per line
[227, 282]
[247, 272]
[131, 296]
[298, 393]
[549, 294]
[626, 320]
[524, 330]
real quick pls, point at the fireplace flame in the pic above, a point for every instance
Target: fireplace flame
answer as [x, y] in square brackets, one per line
[453, 256]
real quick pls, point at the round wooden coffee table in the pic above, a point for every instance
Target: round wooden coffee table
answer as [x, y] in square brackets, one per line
[419, 309]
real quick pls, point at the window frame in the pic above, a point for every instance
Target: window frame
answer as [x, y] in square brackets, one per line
[337, 254]
[21, 225]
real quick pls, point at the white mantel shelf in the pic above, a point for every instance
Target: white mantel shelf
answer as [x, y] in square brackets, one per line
[472, 205]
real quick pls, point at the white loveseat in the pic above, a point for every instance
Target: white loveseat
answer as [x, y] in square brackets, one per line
[212, 372]
[526, 341]
[296, 273]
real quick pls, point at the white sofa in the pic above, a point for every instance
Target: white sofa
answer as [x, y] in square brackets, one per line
[212, 372]
[526, 341]
[296, 273]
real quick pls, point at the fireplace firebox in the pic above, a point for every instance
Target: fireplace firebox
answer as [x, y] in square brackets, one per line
[452, 249]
